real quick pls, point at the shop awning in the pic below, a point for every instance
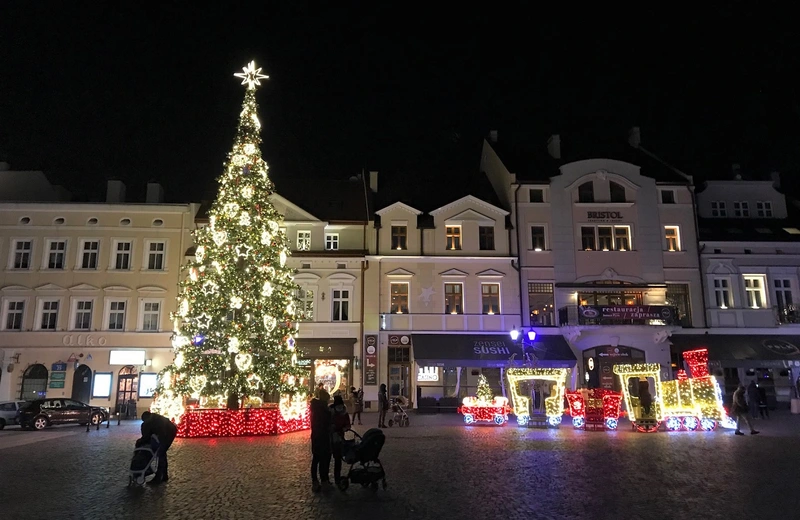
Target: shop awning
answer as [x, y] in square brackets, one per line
[745, 350]
[489, 350]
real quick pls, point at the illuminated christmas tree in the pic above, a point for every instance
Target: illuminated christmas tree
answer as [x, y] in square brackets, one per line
[484, 392]
[234, 327]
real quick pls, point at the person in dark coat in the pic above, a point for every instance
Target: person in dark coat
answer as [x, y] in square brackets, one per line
[645, 397]
[752, 399]
[341, 423]
[383, 406]
[165, 430]
[739, 407]
[762, 403]
[358, 404]
[320, 440]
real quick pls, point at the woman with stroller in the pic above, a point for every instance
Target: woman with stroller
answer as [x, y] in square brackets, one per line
[341, 423]
[358, 404]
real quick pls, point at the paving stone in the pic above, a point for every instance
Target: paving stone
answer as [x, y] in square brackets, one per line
[438, 468]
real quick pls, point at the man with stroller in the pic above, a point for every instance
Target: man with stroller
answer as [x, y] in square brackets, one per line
[165, 430]
[341, 423]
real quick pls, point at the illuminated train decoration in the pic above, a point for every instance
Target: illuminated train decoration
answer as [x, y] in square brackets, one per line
[554, 405]
[594, 409]
[687, 403]
[475, 410]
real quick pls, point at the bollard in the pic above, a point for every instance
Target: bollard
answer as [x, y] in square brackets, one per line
[119, 418]
[99, 420]
[87, 426]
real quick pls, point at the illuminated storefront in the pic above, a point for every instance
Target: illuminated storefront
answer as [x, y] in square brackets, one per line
[329, 361]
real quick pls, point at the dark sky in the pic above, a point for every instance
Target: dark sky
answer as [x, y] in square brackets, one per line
[89, 91]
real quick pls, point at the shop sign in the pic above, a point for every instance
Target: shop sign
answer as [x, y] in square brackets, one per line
[780, 347]
[626, 312]
[56, 376]
[613, 352]
[604, 216]
[396, 340]
[58, 367]
[83, 340]
[371, 360]
[427, 374]
[57, 384]
[480, 347]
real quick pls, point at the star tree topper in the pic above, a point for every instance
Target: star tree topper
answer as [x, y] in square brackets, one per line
[251, 75]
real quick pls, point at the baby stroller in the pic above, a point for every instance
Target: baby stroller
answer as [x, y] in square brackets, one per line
[362, 455]
[400, 415]
[144, 463]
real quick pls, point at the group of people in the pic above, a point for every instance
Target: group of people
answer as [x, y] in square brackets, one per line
[328, 426]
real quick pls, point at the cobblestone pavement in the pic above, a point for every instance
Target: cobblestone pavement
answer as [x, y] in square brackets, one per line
[437, 468]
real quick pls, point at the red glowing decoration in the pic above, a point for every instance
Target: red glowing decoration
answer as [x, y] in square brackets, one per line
[682, 375]
[599, 408]
[475, 410]
[199, 422]
[697, 361]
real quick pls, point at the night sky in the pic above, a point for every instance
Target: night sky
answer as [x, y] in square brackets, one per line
[90, 92]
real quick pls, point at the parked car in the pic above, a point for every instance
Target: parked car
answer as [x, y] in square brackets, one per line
[8, 412]
[41, 413]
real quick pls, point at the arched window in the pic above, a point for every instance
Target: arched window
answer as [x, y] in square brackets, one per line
[34, 383]
[617, 192]
[586, 192]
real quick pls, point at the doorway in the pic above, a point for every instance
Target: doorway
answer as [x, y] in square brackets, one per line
[34, 383]
[82, 384]
[398, 380]
[127, 388]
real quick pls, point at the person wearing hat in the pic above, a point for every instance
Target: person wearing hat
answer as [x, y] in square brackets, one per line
[320, 440]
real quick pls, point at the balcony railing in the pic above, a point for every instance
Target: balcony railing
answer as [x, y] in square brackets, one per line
[787, 314]
[618, 315]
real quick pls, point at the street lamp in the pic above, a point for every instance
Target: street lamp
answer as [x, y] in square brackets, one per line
[514, 334]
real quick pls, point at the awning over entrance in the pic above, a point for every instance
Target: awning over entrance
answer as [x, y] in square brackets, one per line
[327, 348]
[744, 351]
[489, 350]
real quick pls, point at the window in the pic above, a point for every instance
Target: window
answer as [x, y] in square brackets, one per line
[741, 209]
[718, 209]
[622, 238]
[667, 196]
[101, 386]
[147, 384]
[673, 236]
[304, 240]
[453, 298]
[541, 304]
[453, 234]
[49, 315]
[678, 296]
[15, 313]
[306, 298]
[536, 195]
[588, 242]
[83, 315]
[617, 192]
[538, 238]
[490, 298]
[122, 255]
[399, 238]
[56, 251]
[722, 293]
[155, 256]
[783, 294]
[756, 295]
[90, 250]
[398, 292]
[341, 304]
[151, 315]
[764, 209]
[586, 192]
[331, 241]
[22, 254]
[116, 315]
[604, 238]
[486, 238]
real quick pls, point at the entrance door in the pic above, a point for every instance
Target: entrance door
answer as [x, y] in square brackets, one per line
[34, 383]
[127, 387]
[398, 380]
[82, 384]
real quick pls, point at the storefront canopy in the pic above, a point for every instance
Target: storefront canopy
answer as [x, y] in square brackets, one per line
[744, 351]
[495, 350]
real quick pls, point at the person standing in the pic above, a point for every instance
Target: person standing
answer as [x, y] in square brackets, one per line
[752, 399]
[358, 404]
[740, 411]
[320, 440]
[383, 406]
[340, 424]
[166, 431]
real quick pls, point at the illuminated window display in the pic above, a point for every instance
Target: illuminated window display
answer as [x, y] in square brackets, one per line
[334, 374]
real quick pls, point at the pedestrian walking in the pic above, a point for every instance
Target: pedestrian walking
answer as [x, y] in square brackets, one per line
[762, 403]
[383, 406]
[340, 424]
[165, 430]
[739, 407]
[358, 404]
[320, 440]
[752, 399]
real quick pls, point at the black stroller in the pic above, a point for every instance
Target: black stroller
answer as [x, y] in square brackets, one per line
[362, 455]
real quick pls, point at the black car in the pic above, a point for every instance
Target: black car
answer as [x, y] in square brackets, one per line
[41, 413]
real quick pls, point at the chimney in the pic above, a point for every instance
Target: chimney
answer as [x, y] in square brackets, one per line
[554, 146]
[373, 182]
[155, 193]
[493, 136]
[635, 137]
[776, 180]
[736, 169]
[115, 192]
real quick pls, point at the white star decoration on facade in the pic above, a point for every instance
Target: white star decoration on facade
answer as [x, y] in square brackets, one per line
[251, 75]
